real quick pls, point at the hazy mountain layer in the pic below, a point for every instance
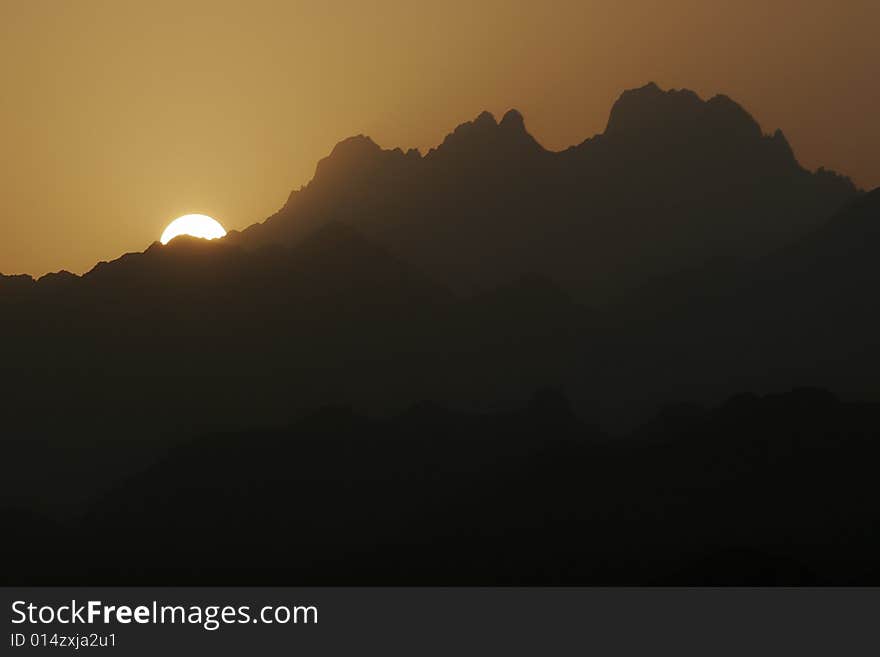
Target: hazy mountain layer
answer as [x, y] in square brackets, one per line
[473, 275]
[674, 182]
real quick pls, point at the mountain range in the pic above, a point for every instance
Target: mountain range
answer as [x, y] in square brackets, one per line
[674, 182]
[376, 345]
[680, 254]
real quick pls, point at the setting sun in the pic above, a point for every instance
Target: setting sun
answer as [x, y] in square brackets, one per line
[196, 225]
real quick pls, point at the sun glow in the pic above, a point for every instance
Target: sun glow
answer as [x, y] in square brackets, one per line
[196, 225]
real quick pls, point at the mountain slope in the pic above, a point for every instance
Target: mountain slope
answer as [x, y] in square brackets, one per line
[673, 182]
[200, 334]
[801, 316]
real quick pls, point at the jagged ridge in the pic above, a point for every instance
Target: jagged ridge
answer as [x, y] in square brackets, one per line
[672, 182]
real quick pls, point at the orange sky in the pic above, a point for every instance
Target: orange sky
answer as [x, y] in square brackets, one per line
[118, 116]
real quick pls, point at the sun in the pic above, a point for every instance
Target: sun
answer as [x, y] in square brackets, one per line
[197, 225]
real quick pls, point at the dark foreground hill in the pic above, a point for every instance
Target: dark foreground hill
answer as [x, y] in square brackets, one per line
[773, 490]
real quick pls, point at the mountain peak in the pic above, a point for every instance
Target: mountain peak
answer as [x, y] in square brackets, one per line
[355, 146]
[485, 135]
[513, 120]
[650, 112]
[649, 108]
[484, 124]
[484, 119]
[353, 156]
[57, 278]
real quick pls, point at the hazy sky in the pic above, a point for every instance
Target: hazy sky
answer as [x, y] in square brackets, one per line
[118, 116]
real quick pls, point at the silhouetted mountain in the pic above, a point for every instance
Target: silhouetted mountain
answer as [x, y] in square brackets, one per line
[672, 183]
[205, 334]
